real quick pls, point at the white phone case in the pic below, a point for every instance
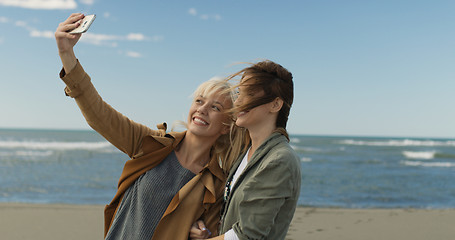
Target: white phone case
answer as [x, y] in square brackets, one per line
[85, 24]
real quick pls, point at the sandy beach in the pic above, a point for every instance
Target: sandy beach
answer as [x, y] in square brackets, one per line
[41, 221]
[372, 224]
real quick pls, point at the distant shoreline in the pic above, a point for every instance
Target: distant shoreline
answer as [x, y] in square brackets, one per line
[292, 134]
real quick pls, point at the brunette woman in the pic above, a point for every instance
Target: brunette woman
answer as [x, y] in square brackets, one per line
[263, 185]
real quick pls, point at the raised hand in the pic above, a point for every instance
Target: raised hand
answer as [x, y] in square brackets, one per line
[66, 40]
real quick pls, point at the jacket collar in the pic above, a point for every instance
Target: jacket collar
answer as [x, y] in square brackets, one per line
[263, 149]
[275, 138]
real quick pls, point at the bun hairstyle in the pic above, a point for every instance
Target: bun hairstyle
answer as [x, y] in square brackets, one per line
[274, 80]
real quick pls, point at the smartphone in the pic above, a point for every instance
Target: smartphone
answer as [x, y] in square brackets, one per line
[85, 24]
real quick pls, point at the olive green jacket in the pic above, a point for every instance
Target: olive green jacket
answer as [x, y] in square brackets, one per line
[262, 201]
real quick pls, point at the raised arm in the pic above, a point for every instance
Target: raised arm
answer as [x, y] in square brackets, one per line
[123, 133]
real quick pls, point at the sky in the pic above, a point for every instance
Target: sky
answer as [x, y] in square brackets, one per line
[360, 68]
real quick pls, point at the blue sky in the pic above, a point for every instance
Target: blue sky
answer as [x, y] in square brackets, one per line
[368, 68]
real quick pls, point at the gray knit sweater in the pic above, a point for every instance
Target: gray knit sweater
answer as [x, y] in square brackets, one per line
[147, 199]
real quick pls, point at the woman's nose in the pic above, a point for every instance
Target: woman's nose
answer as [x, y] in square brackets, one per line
[202, 109]
[238, 101]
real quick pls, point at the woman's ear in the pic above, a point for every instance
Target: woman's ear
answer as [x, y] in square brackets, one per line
[276, 105]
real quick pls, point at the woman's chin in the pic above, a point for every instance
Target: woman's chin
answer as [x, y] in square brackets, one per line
[239, 123]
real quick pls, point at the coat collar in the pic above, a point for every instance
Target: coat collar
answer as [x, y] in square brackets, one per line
[260, 152]
[154, 149]
[275, 138]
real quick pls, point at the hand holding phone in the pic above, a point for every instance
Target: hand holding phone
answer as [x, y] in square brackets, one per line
[84, 24]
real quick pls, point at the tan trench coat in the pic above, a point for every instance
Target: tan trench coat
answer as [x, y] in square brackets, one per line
[200, 198]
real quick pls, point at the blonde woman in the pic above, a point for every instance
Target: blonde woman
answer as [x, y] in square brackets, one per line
[172, 179]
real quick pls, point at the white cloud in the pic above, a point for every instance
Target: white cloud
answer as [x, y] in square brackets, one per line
[33, 32]
[4, 20]
[192, 11]
[215, 17]
[87, 2]
[90, 38]
[40, 4]
[111, 40]
[100, 39]
[21, 24]
[24, 25]
[133, 54]
[157, 38]
[106, 14]
[41, 34]
[135, 37]
[142, 37]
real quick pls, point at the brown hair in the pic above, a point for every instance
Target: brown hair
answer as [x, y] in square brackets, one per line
[275, 80]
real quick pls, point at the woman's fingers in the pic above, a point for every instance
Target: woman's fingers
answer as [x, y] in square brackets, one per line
[203, 228]
[74, 18]
[69, 27]
[62, 31]
[71, 22]
[199, 231]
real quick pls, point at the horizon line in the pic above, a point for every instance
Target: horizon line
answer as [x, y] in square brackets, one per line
[290, 133]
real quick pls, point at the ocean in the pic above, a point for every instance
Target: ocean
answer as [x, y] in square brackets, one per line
[80, 167]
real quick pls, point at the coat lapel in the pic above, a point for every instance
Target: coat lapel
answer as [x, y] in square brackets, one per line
[255, 159]
[204, 182]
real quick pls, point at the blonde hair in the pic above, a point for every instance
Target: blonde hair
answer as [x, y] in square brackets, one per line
[227, 147]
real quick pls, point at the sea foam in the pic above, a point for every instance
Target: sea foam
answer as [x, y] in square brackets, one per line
[419, 155]
[54, 145]
[400, 143]
[428, 164]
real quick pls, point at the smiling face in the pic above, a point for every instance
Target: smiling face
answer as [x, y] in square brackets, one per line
[207, 116]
